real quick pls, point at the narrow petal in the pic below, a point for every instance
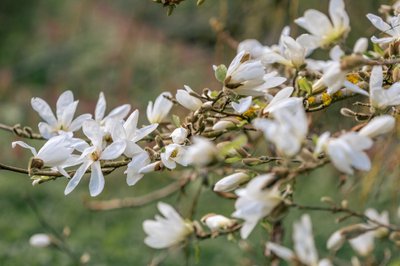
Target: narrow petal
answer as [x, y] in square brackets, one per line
[113, 151]
[65, 99]
[100, 108]
[77, 177]
[77, 123]
[243, 105]
[46, 130]
[44, 111]
[24, 145]
[96, 184]
[67, 115]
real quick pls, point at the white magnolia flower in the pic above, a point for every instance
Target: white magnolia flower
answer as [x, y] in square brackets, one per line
[378, 125]
[174, 153]
[391, 29]
[179, 135]
[382, 219]
[201, 152]
[287, 130]
[188, 101]
[325, 32]
[243, 105]
[231, 182]
[91, 157]
[247, 77]
[133, 171]
[304, 246]
[40, 240]
[56, 152]
[293, 53]
[63, 121]
[117, 113]
[255, 202]
[347, 151]
[380, 98]
[130, 134]
[167, 231]
[158, 112]
[217, 222]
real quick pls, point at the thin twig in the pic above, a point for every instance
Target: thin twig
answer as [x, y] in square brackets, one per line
[131, 202]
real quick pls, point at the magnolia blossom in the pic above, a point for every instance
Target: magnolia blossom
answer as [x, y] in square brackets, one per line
[201, 152]
[217, 222]
[293, 53]
[64, 122]
[139, 161]
[255, 202]
[188, 101]
[325, 32]
[391, 29]
[231, 182]
[130, 134]
[158, 112]
[174, 153]
[304, 246]
[167, 231]
[380, 97]
[56, 152]
[91, 156]
[287, 130]
[378, 125]
[247, 77]
[347, 151]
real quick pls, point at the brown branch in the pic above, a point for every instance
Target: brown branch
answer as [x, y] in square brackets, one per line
[337, 209]
[131, 202]
[23, 132]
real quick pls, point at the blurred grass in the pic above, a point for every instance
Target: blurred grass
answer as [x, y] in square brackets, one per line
[131, 50]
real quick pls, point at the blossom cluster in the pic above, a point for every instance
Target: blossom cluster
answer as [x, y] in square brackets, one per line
[266, 99]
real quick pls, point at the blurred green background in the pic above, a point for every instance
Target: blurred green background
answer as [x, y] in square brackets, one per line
[132, 51]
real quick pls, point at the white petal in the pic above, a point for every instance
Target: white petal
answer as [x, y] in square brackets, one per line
[65, 99]
[378, 125]
[281, 251]
[67, 115]
[376, 78]
[44, 111]
[77, 123]
[379, 23]
[46, 130]
[77, 177]
[24, 145]
[100, 108]
[113, 151]
[243, 105]
[96, 184]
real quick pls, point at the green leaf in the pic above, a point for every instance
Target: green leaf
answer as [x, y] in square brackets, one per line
[237, 143]
[233, 160]
[220, 73]
[305, 85]
[176, 120]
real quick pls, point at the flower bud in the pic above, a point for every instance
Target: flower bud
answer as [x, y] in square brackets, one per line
[336, 241]
[217, 222]
[179, 135]
[188, 101]
[231, 182]
[40, 240]
[378, 125]
[222, 125]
